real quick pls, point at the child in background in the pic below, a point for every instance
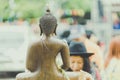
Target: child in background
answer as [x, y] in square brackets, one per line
[79, 61]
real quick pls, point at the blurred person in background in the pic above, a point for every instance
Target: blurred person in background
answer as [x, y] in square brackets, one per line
[114, 50]
[112, 61]
[65, 36]
[116, 21]
[93, 38]
[62, 27]
[79, 61]
[79, 35]
[96, 60]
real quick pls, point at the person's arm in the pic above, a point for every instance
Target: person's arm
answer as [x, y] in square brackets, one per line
[32, 59]
[65, 56]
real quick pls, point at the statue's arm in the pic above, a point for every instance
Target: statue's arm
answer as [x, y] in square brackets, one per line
[32, 59]
[65, 56]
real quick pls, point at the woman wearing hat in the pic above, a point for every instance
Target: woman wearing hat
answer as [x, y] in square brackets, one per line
[79, 61]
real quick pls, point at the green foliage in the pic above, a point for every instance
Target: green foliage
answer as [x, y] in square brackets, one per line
[23, 8]
[4, 9]
[27, 9]
[30, 8]
[77, 4]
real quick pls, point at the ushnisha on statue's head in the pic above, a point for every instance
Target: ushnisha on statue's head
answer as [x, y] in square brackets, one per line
[48, 23]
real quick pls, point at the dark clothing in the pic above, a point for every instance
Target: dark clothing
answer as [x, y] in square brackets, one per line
[95, 72]
[69, 69]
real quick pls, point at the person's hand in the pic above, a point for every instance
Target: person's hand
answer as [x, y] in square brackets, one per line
[84, 76]
[88, 78]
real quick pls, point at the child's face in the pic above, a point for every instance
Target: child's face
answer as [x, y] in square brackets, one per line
[76, 63]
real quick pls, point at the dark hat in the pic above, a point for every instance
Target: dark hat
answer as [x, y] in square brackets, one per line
[65, 34]
[78, 49]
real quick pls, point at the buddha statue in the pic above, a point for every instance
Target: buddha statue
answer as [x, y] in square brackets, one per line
[41, 55]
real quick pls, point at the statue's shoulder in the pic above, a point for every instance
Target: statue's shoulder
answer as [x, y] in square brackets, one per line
[63, 42]
[34, 44]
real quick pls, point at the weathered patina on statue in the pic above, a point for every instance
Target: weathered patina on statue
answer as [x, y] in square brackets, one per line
[41, 56]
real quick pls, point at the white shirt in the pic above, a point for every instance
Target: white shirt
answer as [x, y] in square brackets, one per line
[113, 69]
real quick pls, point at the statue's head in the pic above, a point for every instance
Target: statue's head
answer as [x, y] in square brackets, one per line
[48, 23]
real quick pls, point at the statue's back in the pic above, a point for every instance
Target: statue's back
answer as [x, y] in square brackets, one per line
[48, 49]
[41, 60]
[42, 54]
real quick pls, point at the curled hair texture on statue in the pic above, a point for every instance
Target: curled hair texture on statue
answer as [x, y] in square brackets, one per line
[48, 23]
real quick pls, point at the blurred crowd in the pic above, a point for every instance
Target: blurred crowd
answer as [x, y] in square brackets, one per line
[87, 52]
[93, 58]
